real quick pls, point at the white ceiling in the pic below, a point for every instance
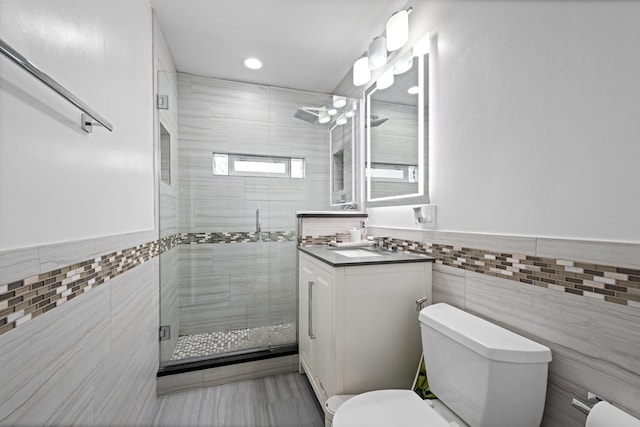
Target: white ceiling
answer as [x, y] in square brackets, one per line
[303, 44]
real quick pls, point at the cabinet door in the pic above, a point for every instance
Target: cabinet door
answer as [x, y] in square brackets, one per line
[307, 275]
[323, 346]
[378, 324]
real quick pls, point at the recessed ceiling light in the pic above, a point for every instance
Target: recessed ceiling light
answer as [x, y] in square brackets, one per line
[253, 63]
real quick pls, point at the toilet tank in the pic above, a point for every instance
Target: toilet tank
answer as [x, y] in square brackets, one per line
[488, 375]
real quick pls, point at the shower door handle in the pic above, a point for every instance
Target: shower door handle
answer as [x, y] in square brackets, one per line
[310, 311]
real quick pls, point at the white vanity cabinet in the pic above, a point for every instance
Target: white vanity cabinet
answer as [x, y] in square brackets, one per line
[358, 324]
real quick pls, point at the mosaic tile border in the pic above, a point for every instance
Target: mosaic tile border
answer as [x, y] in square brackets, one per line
[236, 237]
[609, 283]
[26, 299]
[169, 242]
[31, 297]
[315, 240]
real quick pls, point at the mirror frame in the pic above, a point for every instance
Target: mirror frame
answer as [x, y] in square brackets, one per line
[421, 137]
[351, 123]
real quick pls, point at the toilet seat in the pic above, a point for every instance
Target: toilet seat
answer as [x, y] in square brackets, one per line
[384, 408]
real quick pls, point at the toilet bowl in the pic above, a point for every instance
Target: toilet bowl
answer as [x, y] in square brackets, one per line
[396, 408]
[483, 375]
[331, 406]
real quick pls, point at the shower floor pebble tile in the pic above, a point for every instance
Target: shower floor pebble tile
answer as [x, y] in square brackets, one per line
[219, 342]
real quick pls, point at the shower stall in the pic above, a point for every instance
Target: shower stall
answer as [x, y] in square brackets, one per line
[234, 168]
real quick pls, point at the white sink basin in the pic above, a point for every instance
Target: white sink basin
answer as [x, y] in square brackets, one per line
[355, 253]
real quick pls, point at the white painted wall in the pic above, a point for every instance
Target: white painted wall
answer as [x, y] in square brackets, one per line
[58, 183]
[536, 117]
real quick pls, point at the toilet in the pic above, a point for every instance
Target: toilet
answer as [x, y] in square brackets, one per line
[482, 374]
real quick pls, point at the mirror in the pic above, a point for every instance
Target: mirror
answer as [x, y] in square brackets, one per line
[342, 163]
[396, 123]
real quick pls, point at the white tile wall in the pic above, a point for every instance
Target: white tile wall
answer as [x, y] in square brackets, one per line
[91, 360]
[236, 285]
[595, 344]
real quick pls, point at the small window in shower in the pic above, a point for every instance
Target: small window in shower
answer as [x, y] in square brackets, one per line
[393, 173]
[297, 168]
[251, 165]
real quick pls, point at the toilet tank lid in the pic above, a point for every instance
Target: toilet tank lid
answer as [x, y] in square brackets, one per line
[485, 338]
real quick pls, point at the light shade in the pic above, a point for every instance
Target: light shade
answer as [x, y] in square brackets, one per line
[403, 66]
[341, 120]
[351, 110]
[385, 80]
[361, 72]
[397, 30]
[377, 53]
[323, 117]
[413, 90]
[339, 101]
[332, 111]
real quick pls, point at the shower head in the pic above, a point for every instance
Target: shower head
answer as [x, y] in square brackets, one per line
[303, 113]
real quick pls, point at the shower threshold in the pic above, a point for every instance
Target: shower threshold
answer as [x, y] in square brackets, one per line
[210, 350]
[214, 361]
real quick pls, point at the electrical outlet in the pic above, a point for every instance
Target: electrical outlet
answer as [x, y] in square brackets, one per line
[429, 216]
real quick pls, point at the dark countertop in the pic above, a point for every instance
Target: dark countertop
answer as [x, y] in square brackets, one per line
[332, 256]
[331, 214]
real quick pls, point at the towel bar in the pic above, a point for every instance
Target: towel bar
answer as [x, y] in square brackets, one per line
[23, 62]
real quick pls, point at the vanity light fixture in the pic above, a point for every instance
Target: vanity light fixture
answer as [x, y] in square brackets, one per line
[253, 63]
[385, 80]
[351, 110]
[332, 111]
[377, 53]
[396, 35]
[339, 101]
[341, 120]
[403, 66]
[413, 90]
[361, 71]
[323, 117]
[397, 30]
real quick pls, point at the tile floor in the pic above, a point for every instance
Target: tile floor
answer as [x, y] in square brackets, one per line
[206, 344]
[277, 401]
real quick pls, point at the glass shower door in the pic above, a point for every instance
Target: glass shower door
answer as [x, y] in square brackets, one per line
[235, 276]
